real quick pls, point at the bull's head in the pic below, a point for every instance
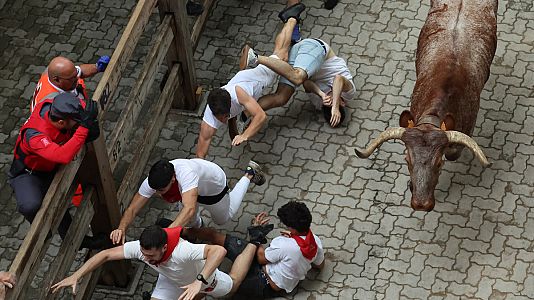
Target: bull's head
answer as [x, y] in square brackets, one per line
[426, 142]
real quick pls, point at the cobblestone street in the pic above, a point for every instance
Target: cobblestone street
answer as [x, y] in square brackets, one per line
[474, 245]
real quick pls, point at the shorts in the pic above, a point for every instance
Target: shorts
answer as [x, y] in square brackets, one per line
[308, 55]
[168, 289]
[255, 285]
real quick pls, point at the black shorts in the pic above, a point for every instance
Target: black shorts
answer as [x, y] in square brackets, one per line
[255, 284]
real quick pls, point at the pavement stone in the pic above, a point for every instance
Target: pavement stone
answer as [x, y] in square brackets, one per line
[475, 244]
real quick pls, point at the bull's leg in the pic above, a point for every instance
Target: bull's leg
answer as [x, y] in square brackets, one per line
[453, 152]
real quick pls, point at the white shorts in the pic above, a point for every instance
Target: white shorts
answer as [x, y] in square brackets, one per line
[220, 285]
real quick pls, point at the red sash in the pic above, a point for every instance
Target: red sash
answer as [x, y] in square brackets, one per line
[308, 247]
[173, 237]
[173, 194]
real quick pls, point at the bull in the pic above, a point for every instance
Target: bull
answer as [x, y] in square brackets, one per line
[454, 52]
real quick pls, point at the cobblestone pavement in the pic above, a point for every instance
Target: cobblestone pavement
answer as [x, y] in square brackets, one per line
[474, 245]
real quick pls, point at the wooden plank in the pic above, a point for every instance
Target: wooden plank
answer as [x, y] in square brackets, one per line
[122, 54]
[200, 23]
[88, 284]
[122, 131]
[181, 46]
[69, 247]
[129, 184]
[54, 201]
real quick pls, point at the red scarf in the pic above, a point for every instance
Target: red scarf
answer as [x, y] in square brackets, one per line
[173, 237]
[173, 194]
[308, 247]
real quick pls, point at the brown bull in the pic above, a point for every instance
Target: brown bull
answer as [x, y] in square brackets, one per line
[454, 54]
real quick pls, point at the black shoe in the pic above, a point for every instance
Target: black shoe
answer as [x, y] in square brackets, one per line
[100, 241]
[193, 8]
[330, 4]
[164, 222]
[146, 295]
[293, 11]
[258, 233]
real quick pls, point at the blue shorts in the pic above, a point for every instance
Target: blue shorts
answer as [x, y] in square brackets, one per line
[308, 55]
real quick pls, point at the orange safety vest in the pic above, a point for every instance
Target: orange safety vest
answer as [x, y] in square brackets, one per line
[46, 90]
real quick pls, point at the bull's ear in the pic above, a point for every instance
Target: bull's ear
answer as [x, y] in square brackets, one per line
[448, 123]
[406, 119]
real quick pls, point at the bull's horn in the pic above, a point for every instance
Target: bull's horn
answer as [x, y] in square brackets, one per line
[388, 134]
[463, 139]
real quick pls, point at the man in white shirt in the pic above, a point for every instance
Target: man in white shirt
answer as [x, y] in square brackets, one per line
[275, 269]
[185, 269]
[313, 63]
[190, 182]
[242, 93]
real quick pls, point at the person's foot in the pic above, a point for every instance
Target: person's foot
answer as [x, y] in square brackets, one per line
[293, 11]
[254, 170]
[295, 36]
[193, 8]
[330, 4]
[249, 58]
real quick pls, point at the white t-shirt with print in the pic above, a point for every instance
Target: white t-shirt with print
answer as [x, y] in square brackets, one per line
[208, 177]
[324, 78]
[287, 264]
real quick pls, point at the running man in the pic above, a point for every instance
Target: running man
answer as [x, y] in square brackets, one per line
[190, 182]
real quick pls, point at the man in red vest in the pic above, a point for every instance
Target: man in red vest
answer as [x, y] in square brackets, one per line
[268, 272]
[62, 75]
[52, 136]
[178, 262]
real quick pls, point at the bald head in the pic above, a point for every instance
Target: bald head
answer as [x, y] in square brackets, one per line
[63, 73]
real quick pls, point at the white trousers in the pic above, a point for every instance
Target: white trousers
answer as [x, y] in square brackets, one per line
[222, 211]
[166, 289]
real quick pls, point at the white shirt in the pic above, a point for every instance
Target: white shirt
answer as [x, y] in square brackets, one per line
[186, 261]
[208, 177]
[324, 77]
[252, 81]
[287, 264]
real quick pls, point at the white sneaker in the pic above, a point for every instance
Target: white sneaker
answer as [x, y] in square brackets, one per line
[249, 58]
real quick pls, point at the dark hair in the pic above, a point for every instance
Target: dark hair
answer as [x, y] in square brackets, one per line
[160, 174]
[295, 215]
[219, 101]
[153, 237]
[327, 113]
[54, 118]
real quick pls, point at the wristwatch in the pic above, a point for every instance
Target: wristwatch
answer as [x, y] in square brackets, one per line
[201, 278]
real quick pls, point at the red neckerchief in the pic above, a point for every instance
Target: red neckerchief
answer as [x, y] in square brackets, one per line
[173, 194]
[173, 237]
[308, 247]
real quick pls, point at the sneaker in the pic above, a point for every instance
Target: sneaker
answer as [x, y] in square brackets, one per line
[253, 169]
[293, 11]
[249, 58]
[193, 8]
[295, 36]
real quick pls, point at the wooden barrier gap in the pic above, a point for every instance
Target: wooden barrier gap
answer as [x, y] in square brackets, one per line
[69, 248]
[181, 52]
[201, 23]
[137, 97]
[129, 185]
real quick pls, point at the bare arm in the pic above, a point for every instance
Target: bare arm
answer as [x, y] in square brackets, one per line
[312, 87]
[116, 253]
[189, 201]
[204, 139]
[118, 235]
[341, 84]
[214, 255]
[88, 70]
[256, 112]
[260, 256]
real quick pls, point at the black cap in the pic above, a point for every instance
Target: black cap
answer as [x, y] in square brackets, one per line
[66, 106]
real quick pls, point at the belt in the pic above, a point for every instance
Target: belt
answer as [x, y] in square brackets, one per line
[209, 200]
[323, 45]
